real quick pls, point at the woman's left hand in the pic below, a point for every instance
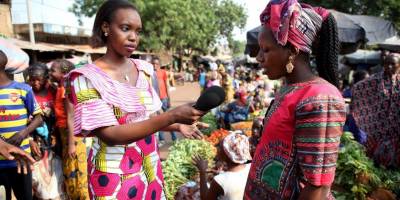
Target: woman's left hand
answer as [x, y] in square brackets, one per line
[192, 131]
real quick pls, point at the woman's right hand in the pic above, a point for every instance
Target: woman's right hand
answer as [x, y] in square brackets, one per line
[200, 163]
[186, 114]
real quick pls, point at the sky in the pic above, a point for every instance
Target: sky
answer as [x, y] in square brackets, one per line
[253, 9]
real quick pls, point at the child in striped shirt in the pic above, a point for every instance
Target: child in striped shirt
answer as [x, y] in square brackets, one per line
[17, 105]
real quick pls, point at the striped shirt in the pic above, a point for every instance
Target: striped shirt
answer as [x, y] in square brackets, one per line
[17, 104]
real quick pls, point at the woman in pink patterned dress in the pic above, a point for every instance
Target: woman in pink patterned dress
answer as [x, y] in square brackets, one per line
[114, 102]
[297, 153]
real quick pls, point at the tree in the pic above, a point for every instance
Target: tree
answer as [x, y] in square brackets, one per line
[389, 9]
[180, 25]
[237, 47]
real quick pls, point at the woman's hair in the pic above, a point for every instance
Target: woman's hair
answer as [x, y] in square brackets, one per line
[64, 65]
[38, 67]
[3, 60]
[327, 51]
[106, 13]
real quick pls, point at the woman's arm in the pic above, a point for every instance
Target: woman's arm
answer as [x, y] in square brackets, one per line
[128, 133]
[215, 189]
[69, 110]
[311, 192]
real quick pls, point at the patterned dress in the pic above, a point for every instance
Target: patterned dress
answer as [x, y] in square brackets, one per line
[130, 171]
[376, 110]
[299, 143]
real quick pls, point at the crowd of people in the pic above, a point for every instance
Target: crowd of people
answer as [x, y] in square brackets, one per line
[118, 104]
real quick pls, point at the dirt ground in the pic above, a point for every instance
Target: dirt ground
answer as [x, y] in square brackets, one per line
[187, 93]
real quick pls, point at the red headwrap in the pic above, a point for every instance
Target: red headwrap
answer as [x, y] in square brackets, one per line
[294, 22]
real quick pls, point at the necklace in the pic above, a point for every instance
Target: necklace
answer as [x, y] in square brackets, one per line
[126, 77]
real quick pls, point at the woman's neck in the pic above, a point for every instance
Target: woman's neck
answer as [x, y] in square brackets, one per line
[113, 59]
[301, 72]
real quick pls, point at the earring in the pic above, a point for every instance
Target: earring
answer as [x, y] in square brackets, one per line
[106, 34]
[289, 65]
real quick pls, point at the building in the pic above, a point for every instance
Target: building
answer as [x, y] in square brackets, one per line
[52, 20]
[6, 28]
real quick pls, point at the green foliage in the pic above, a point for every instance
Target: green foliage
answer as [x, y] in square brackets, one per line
[212, 123]
[178, 25]
[179, 168]
[356, 173]
[237, 47]
[389, 9]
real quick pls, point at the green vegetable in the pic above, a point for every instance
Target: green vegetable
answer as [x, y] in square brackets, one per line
[211, 121]
[356, 173]
[179, 168]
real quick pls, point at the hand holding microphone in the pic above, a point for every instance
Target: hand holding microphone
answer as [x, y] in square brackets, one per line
[189, 113]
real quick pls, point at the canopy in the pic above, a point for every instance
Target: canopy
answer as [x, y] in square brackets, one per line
[391, 44]
[353, 30]
[364, 57]
[18, 60]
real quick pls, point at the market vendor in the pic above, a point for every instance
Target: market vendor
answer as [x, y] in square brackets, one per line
[297, 154]
[375, 107]
[236, 111]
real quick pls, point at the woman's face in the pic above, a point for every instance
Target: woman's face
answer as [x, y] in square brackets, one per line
[123, 31]
[272, 57]
[392, 65]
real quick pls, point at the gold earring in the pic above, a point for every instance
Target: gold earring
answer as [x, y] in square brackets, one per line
[106, 34]
[289, 65]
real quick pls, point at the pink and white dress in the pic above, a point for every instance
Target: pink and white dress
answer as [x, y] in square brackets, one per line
[130, 171]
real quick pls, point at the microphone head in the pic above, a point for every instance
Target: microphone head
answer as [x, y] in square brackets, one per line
[211, 98]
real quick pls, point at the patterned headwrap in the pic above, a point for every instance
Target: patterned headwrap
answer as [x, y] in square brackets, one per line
[294, 22]
[237, 148]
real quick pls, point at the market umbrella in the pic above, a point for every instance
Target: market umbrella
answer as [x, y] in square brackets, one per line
[252, 42]
[364, 57]
[18, 60]
[392, 44]
[353, 30]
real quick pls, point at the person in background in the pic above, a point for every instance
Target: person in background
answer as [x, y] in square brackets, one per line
[202, 78]
[375, 108]
[235, 111]
[350, 124]
[74, 148]
[171, 76]
[38, 79]
[227, 84]
[214, 78]
[163, 92]
[256, 131]
[17, 105]
[297, 153]
[234, 150]
[358, 76]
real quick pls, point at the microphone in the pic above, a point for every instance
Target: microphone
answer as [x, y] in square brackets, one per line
[211, 98]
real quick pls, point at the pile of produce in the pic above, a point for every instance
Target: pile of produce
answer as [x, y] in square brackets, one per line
[211, 121]
[245, 127]
[358, 178]
[178, 168]
[216, 136]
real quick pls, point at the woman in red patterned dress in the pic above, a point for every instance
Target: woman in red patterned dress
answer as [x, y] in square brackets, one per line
[298, 149]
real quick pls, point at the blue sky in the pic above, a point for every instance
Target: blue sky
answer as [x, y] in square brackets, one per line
[253, 9]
